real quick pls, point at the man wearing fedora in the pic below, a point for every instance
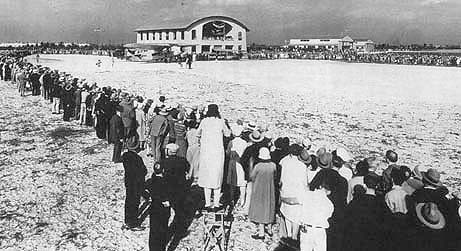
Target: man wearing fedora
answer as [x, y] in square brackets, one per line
[135, 172]
[158, 129]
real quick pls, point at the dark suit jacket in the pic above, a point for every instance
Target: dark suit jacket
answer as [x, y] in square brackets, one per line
[116, 129]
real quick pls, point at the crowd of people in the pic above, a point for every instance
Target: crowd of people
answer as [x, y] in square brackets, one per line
[322, 197]
[403, 58]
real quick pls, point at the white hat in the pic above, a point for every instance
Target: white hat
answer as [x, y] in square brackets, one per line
[344, 154]
[237, 130]
[264, 153]
[171, 148]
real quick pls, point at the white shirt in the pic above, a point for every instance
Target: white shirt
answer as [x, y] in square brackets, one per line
[345, 173]
[239, 145]
[293, 177]
[316, 209]
[358, 180]
[395, 200]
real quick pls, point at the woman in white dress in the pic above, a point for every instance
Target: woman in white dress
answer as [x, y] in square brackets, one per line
[294, 185]
[211, 167]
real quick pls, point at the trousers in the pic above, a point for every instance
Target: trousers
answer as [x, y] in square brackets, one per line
[156, 147]
[55, 105]
[116, 156]
[314, 239]
[133, 194]
[83, 114]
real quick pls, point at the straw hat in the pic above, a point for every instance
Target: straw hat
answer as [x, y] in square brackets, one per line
[132, 143]
[256, 137]
[171, 149]
[305, 157]
[264, 153]
[325, 160]
[432, 176]
[163, 112]
[430, 215]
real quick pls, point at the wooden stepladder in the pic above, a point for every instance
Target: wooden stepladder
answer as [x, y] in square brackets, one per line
[217, 228]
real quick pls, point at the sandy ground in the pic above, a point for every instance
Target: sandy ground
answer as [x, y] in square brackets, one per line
[58, 189]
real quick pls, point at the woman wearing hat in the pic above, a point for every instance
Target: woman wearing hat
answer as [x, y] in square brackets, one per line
[211, 132]
[262, 204]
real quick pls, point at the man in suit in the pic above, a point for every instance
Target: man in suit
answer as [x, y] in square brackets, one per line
[116, 134]
[158, 129]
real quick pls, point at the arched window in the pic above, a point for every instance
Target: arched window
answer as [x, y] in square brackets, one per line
[240, 36]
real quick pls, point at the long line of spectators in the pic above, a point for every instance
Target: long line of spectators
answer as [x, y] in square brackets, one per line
[404, 58]
[324, 198]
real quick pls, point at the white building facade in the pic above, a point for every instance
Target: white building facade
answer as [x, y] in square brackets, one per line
[205, 35]
[333, 43]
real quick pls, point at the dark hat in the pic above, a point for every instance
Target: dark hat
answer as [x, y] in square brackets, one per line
[362, 168]
[400, 173]
[391, 156]
[337, 161]
[256, 137]
[432, 177]
[371, 180]
[305, 157]
[132, 143]
[278, 143]
[295, 149]
[213, 108]
[158, 168]
[430, 215]
[325, 160]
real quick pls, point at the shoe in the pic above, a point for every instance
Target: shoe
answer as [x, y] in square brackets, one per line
[257, 237]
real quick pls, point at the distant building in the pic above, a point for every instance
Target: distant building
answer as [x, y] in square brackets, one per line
[364, 45]
[333, 43]
[204, 35]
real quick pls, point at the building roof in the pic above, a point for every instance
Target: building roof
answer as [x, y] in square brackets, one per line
[154, 46]
[186, 24]
[361, 39]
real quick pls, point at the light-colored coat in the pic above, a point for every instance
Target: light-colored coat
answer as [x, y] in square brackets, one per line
[141, 123]
[211, 167]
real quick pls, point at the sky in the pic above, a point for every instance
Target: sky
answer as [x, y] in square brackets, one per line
[269, 21]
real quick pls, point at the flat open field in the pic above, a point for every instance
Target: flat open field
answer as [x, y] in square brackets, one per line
[59, 190]
[369, 108]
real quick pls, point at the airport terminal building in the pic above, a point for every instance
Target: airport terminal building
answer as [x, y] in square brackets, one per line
[333, 43]
[204, 35]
